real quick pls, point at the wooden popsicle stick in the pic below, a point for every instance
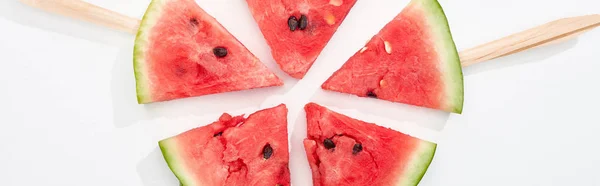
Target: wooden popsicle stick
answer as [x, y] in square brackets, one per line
[549, 33]
[88, 12]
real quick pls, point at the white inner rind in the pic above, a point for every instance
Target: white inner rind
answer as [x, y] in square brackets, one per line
[171, 153]
[421, 159]
[151, 17]
[445, 47]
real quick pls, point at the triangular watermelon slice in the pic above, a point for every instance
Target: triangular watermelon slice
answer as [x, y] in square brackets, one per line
[298, 30]
[233, 151]
[181, 51]
[412, 60]
[346, 151]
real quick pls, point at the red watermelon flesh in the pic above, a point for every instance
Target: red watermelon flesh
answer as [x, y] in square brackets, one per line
[296, 51]
[175, 55]
[233, 151]
[412, 60]
[346, 151]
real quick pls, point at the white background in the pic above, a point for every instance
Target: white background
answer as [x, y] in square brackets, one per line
[68, 114]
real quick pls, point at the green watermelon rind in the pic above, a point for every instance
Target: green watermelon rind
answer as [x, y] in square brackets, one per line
[422, 158]
[446, 47]
[169, 149]
[150, 18]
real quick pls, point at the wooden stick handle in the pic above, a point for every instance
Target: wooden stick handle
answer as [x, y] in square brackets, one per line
[88, 12]
[552, 32]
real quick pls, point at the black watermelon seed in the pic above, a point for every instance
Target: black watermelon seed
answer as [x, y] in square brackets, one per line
[194, 21]
[303, 22]
[357, 148]
[218, 134]
[220, 52]
[328, 143]
[267, 151]
[279, 185]
[371, 94]
[292, 23]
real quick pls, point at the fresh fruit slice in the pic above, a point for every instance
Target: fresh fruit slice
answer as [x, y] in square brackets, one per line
[346, 151]
[181, 51]
[233, 151]
[298, 30]
[412, 60]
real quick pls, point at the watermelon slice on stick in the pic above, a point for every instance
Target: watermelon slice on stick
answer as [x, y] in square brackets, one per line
[233, 151]
[298, 30]
[346, 151]
[412, 60]
[549, 33]
[181, 51]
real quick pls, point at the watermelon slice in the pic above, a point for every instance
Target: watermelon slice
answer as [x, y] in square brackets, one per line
[233, 151]
[345, 151]
[412, 60]
[298, 30]
[181, 51]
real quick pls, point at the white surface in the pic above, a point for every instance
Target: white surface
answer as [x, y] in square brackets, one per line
[68, 114]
